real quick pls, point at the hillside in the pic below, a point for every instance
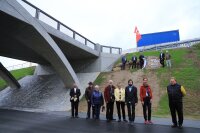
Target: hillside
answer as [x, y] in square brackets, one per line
[186, 69]
[18, 74]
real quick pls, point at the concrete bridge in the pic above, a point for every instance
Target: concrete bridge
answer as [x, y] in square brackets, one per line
[26, 37]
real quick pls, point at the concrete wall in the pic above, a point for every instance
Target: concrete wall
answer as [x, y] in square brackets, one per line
[103, 63]
[35, 37]
[54, 50]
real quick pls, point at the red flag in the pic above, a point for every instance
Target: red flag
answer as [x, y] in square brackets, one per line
[138, 35]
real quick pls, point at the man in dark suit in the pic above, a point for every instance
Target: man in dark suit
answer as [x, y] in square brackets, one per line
[124, 60]
[74, 99]
[162, 58]
[134, 60]
[141, 58]
[131, 100]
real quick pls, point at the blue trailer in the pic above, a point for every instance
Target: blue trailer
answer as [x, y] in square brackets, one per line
[158, 37]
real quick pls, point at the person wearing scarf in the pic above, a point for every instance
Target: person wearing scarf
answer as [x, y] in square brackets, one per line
[146, 100]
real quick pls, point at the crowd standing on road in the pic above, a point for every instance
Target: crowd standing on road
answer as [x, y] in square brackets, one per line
[127, 96]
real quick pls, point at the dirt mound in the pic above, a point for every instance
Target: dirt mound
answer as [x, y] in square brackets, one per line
[123, 77]
[153, 62]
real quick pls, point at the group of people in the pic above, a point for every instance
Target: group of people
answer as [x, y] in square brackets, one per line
[165, 56]
[134, 62]
[127, 97]
[142, 62]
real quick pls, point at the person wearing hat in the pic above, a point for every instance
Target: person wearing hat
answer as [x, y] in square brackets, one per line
[88, 94]
[168, 59]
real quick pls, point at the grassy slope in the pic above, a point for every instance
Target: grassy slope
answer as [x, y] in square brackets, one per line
[18, 74]
[186, 69]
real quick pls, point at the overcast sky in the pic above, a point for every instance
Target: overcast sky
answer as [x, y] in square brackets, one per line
[112, 22]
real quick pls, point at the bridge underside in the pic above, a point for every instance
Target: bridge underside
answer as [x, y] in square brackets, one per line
[27, 38]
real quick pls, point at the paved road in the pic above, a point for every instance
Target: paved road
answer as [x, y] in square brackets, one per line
[12, 121]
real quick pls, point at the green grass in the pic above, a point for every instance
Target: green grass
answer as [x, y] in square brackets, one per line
[186, 69]
[163, 107]
[100, 79]
[18, 74]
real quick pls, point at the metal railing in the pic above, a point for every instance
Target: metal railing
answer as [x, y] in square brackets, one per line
[111, 49]
[59, 24]
[75, 34]
[172, 45]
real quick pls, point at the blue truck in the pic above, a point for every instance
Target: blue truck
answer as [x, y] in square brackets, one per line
[158, 38]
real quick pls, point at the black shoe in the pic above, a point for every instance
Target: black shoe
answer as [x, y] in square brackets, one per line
[174, 126]
[87, 117]
[130, 121]
[112, 119]
[180, 126]
[119, 120]
[108, 120]
[125, 120]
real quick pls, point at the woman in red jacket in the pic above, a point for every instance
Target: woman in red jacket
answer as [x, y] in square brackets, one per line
[146, 100]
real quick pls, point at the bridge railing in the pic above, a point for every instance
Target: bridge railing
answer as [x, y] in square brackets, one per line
[75, 35]
[111, 50]
[37, 13]
[173, 45]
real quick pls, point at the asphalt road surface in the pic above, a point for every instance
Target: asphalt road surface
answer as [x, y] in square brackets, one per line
[12, 121]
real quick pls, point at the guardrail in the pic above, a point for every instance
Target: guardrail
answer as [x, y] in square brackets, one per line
[59, 24]
[172, 45]
[111, 49]
[184, 43]
[75, 35]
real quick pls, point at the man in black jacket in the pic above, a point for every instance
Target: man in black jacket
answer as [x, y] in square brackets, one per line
[131, 100]
[162, 58]
[134, 60]
[175, 94]
[74, 99]
[88, 94]
[141, 59]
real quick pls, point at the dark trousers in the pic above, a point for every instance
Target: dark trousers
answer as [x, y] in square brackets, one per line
[74, 109]
[109, 110]
[141, 63]
[162, 62]
[97, 108]
[147, 106]
[123, 66]
[134, 64]
[176, 106]
[131, 111]
[120, 107]
[89, 110]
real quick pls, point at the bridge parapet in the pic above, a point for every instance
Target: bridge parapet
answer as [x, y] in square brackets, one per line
[40, 15]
